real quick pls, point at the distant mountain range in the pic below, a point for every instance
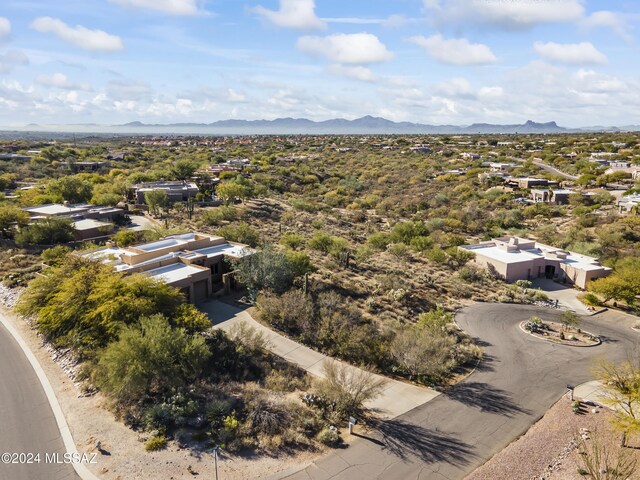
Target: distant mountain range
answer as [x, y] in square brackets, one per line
[367, 125]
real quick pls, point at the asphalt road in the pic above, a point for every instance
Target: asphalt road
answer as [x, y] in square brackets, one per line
[27, 424]
[547, 167]
[519, 379]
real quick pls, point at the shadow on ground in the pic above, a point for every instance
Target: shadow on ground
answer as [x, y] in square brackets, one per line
[485, 397]
[403, 439]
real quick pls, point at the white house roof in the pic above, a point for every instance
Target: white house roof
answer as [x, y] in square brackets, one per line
[228, 249]
[174, 272]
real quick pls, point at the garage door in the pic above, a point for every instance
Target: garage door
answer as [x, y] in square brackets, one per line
[200, 290]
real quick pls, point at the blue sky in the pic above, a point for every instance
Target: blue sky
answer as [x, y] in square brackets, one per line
[430, 61]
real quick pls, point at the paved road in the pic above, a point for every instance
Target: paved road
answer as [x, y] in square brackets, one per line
[27, 423]
[547, 167]
[447, 438]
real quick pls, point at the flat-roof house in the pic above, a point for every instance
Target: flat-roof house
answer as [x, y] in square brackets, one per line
[75, 210]
[89, 221]
[192, 262]
[177, 191]
[514, 258]
[628, 203]
[559, 197]
[528, 182]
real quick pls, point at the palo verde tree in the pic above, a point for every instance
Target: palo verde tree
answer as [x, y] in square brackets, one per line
[156, 200]
[622, 386]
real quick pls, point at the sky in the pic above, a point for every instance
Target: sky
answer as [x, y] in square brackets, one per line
[429, 61]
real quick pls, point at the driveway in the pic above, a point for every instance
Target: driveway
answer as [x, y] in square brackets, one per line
[566, 296]
[519, 379]
[141, 222]
[395, 399]
[28, 424]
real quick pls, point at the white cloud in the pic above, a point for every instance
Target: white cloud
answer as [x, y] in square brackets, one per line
[571, 53]
[606, 19]
[456, 51]
[356, 72]
[61, 81]
[297, 14]
[173, 7]
[455, 87]
[507, 14]
[12, 59]
[235, 97]
[5, 28]
[82, 37]
[349, 49]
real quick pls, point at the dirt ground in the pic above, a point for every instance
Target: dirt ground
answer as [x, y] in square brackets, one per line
[127, 459]
[548, 450]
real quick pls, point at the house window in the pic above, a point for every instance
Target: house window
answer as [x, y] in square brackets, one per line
[215, 269]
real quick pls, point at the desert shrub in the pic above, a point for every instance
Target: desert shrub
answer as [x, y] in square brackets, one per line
[423, 354]
[156, 443]
[399, 250]
[379, 241]
[292, 240]
[590, 299]
[292, 312]
[218, 215]
[149, 358]
[471, 274]
[55, 256]
[347, 388]
[241, 233]
[266, 269]
[48, 231]
[329, 437]
[267, 416]
[248, 337]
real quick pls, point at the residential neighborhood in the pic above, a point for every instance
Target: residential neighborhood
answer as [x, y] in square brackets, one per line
[314, 240]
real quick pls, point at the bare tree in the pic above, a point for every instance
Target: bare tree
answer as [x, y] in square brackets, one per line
[349, 388]
[601, 463]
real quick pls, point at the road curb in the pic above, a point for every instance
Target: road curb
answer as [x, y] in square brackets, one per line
[82, 471]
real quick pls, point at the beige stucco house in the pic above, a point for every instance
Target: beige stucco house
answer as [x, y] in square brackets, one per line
[191, 262]
[514, 258]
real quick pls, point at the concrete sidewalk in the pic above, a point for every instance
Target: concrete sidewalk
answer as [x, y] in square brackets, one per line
[396, 398]
[591, 392]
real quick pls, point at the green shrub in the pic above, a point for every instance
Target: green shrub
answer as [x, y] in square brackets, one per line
[241, 232]
[156, 443]
[292, 240]
[329, 437]
[379, 241]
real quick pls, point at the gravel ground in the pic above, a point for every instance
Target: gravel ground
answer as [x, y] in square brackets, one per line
[548, 450]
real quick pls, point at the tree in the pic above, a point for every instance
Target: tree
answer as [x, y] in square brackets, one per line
[156, 200]
[183, 169]
[84, 304]
[422, 353]
[265, 269]
[230, 191]
[622, 284]
[600, 463]
[71, 188]
[149, 358]
[11, 216]
[622, 385]
[349, 387]
[569, 319]
[47, 231]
